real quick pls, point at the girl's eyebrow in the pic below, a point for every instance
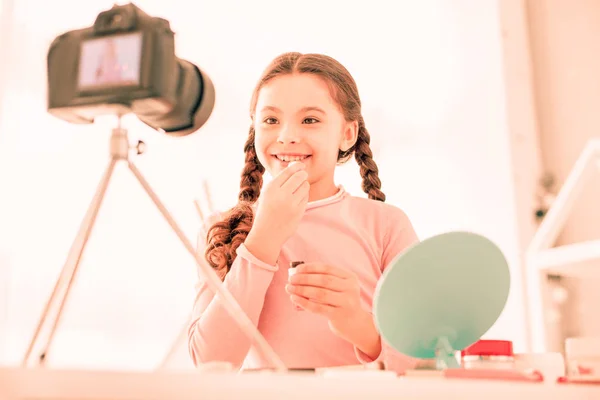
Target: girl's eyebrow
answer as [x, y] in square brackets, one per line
[302, 110]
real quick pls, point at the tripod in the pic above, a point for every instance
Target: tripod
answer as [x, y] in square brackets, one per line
[119, 151]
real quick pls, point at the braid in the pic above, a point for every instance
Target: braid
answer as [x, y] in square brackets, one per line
[371, 183]
[252, 174]
[225, 237]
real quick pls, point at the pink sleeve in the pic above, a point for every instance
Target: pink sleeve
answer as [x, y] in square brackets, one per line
[398, 237]
[213, 335]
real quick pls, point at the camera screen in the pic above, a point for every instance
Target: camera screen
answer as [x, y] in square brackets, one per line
[112, 61]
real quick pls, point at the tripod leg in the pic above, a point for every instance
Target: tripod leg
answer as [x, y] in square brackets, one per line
[76, 252]
[214, 282]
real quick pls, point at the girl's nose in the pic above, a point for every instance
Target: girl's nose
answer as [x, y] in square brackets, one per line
[288, 135]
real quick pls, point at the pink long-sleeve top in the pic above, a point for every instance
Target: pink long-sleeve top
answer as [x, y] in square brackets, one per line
[345, 231]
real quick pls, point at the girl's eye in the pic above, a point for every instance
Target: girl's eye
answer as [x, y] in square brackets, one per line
[270, 121]
[310, 121]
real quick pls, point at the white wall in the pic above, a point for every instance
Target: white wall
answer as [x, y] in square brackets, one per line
[430, 74]
[525, 153]
[4, 303]
[5, 17]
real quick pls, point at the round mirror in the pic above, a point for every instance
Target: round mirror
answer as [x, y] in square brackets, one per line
[452, 286]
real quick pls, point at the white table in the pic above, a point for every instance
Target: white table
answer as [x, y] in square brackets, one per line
[44, 384]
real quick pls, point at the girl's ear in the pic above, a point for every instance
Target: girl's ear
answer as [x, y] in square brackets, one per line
[349, 136]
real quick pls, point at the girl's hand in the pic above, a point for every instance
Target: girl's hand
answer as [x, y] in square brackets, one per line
[280, 208]
[335, 294]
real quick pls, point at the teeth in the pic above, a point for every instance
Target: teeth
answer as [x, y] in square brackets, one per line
[291, 158]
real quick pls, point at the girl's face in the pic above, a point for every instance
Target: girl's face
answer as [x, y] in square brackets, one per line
[297, 119]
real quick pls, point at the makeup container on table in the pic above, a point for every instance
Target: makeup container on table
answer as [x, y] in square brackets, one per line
[495, 360]
[489, 354]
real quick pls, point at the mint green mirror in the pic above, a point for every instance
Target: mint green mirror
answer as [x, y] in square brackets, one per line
[441, 295]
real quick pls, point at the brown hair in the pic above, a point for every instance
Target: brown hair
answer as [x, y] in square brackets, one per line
[224, 237]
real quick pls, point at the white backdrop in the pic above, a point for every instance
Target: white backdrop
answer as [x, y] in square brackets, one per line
[430, 76]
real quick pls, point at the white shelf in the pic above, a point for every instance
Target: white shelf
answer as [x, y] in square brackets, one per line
[574, 260]
[578, 259]
[556, 218]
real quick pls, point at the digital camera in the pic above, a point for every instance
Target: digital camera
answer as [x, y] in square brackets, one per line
[126, 63]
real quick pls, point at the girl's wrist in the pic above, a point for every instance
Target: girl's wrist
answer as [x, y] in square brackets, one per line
[261, 247]
[363, 334]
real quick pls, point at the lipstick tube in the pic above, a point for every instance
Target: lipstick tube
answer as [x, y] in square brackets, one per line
[291, 271]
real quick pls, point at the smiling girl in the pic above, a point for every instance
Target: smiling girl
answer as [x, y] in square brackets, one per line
[306, 119]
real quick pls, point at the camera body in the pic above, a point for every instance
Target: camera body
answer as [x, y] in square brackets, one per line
[126, 63]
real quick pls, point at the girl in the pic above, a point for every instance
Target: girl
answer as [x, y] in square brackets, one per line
[109, 70]
[306, 119]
